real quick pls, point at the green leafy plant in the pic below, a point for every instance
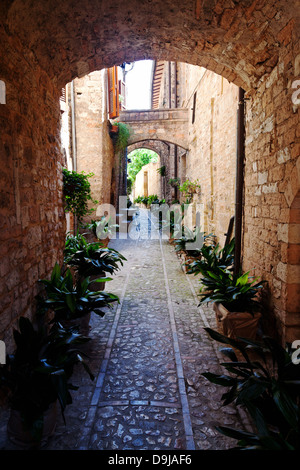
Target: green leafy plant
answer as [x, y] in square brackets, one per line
[102, 228]
[267, 384]
[174, 182]
[122, 137]
[69, 300]
[92, 260]
[237, 292]
[141, 200]
[190, 238]
[77, 193]
[149, 200]
[73, 243]
[162, 170]
[189, 188]
[39, 372]
[212, 257]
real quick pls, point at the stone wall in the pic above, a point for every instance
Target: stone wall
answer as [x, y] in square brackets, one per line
[32, 217]
[94, 147]
[272, 184]
[269, 240]
[211, 102]
[153, 183]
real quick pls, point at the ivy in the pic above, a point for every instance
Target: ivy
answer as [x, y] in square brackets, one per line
[77, 193]
[123, 135]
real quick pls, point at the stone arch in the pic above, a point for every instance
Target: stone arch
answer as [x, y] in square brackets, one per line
[147, 144]
[240, 41]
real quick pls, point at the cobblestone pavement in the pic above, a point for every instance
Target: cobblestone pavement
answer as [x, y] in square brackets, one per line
[147, 355]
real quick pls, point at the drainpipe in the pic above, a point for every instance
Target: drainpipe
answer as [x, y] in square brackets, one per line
[239, 187]
[175, 106]
[73, 127]
[74, 149]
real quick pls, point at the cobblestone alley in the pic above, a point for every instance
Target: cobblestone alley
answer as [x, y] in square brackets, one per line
[147, 355]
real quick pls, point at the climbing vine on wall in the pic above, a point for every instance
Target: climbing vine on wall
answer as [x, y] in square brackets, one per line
[121, 140]
[77, 193]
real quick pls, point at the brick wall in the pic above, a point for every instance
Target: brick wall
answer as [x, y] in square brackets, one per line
[95, 152]
[32, 218]
[211, 140]
[272, 183]
[212, 136]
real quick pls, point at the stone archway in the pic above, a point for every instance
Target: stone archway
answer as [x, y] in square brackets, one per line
[240, 40]
[46, 44]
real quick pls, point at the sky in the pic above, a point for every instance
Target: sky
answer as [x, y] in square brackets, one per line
[138, 85]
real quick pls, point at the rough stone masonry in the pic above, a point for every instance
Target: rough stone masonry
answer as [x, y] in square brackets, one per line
[44, 45]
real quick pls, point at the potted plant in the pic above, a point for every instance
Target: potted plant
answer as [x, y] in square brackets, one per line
[234, 296]
[189, 188]
[212, 257]
[174, 182]
[235, 301]
[37, 378]
[72, 303]
[263, 379]
[103, 229]
[188, 247]
[93, 261]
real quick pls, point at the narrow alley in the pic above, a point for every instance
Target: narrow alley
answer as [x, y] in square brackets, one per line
[147, 355]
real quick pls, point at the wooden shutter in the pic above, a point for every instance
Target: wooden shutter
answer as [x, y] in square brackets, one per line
[113, 92]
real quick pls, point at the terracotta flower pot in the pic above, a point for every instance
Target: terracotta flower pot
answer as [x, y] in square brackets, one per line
[95, 286]
[83, 324]
[236, 325]
[22, 437]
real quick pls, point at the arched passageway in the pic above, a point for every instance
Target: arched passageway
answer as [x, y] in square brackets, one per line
[45, 45]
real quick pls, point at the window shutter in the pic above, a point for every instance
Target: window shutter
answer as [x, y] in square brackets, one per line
[113, 92]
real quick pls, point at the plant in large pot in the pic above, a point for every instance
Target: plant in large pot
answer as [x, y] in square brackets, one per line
[264, 380]
[37, 378]
[189, 188]
[103, 229]
[212, 257]
[236, 302]
[190, 244]
[234, 296]
[92, 260]
[70, 302]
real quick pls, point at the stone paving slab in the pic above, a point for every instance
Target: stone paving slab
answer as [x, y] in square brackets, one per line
[147, 355]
